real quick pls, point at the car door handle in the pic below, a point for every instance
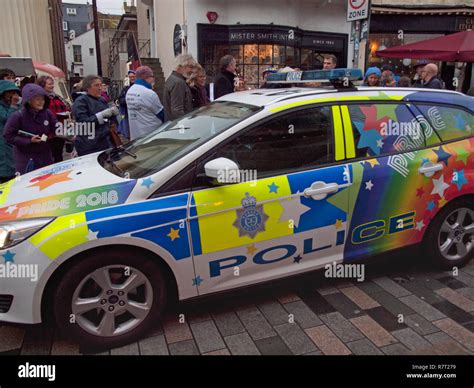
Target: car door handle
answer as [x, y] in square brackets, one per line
[428, 169]
[320, 190]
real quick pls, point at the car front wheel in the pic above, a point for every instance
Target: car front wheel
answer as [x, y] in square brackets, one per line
[110, 299]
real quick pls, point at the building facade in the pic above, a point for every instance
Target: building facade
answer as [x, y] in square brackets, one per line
[30, 28]
[395, 23]
[81, 55]
[279, 33]
[77, 19]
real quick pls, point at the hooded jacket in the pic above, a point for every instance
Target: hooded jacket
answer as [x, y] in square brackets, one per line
[370, 71]
[7, 167]
[39, 123]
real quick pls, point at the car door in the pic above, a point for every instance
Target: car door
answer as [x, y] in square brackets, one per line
[401, 176]
[289, 217]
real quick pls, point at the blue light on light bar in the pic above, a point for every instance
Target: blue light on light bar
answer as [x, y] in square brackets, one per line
[333, 75]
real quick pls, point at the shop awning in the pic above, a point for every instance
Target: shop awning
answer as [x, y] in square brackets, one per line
[458, 47]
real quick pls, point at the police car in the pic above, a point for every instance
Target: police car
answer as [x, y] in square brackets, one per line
[259, 185]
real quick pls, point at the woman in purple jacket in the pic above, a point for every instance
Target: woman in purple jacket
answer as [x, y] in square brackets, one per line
[30, 149]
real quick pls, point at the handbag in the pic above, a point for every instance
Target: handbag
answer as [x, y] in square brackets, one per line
[114, 136]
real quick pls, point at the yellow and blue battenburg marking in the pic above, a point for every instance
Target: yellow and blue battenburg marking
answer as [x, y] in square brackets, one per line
[162, 221]
[236, 215]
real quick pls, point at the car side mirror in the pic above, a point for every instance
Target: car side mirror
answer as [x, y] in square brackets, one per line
[223, 170]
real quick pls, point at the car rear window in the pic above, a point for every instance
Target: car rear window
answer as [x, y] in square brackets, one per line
[449, 122]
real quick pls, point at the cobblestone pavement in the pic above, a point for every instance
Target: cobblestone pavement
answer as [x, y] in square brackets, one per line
[402, 307]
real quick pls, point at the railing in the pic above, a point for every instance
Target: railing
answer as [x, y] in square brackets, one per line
[144, 48]
[124, 41]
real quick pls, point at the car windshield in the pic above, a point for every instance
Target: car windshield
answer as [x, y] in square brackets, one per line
[149, 154]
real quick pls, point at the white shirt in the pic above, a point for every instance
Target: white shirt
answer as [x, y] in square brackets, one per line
[143, 105]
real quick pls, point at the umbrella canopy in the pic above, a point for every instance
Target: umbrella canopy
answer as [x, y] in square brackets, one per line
[458, 47]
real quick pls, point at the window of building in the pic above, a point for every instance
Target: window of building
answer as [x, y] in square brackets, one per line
[71, 11]
[77, 53]
[297, 140]
[253, 59]
[64, 26]
[91, 51]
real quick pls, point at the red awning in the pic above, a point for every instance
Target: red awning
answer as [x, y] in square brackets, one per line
[458, 47]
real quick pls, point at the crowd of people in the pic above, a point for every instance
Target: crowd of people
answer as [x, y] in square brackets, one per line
[426, 76]
[29, 116]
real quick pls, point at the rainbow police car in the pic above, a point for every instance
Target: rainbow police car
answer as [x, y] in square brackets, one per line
[258, 185]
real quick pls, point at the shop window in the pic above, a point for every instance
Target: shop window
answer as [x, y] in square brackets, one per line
[265, 54]
[306, 59]
[253, 59]
[278, 54]
[251, 54]
[250, 74]
[236, 52]
[290, 56]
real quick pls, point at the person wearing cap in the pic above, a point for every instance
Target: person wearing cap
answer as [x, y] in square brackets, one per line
[7, 167]
[145, 111]
[417, 79]
[372, 76]
[177, 96]
[30, 149]
[124, 128]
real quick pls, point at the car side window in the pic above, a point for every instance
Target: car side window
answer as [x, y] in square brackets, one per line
[450, 123]
[296, 140]
[381, 129]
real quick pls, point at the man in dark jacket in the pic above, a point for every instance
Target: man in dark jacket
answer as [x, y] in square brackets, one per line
[224, 82]
[430, 77]
[36, 121]
[92, 109]
[124, 127]
[177, 97]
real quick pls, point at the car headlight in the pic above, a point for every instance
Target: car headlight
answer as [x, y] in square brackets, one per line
[14, 232]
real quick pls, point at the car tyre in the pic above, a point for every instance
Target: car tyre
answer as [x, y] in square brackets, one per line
[449, 241]
[110, 298]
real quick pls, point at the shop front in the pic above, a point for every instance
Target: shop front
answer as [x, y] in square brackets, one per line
[392, 26]
[257, 47]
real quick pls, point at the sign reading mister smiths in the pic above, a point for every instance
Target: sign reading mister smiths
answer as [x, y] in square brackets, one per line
[357, 10]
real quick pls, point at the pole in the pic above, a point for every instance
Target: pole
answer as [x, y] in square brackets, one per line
[367, 45]
[97, 38]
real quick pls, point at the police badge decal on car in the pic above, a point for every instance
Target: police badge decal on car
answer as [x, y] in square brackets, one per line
[251, 219]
